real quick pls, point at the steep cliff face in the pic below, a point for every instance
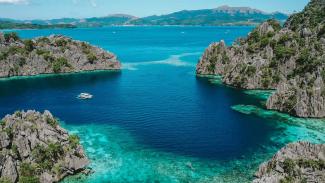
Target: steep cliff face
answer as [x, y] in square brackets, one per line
[53, 54]
[34, 148]
[290, 59]
[297, 162]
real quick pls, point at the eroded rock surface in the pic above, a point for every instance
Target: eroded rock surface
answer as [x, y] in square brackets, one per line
[297, 162]
[34, 148]
[53, 54]
[290, 59]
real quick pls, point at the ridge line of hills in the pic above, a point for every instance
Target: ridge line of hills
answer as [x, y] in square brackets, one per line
[223, 15]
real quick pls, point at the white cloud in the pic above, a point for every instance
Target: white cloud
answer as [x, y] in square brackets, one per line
[13, 1]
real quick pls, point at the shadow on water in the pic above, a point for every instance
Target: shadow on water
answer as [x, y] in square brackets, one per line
[234, 96]
[239, 132]
[50, 92]
[16, 86]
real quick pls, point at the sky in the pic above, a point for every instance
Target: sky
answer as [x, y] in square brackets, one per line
[49, 9]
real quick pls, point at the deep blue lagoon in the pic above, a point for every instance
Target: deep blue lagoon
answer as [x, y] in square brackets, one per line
[155, 121]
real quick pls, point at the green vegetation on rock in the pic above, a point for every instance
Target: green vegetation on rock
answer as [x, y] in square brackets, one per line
[28, 173]
[29, 45]
[48, 55]
[284, 58]
[61, 42]
[11, 36]
[59, 64]
[44, 152]
[91, 58]
[52, 121]
[289, 166]
[283, 52]
[74, 140]
[5, 180]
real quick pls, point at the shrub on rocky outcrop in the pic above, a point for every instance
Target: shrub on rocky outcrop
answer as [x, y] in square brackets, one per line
[275, 24]
[85, 48]
[11, 36]
[284, 57]
[48, 57]
[296, 162]
[74, 140]
[91, 58]
[59, 64]
[283, 52]
[265, 41]
[53, 54]
[61, 42]
[251, 70]
[42, 52]
[29, 45]
[3, 56]
[34, 150]
[28, 173]
[16, 50]
[5, 180]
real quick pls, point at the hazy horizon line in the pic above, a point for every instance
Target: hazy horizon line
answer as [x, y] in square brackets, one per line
[129, 14]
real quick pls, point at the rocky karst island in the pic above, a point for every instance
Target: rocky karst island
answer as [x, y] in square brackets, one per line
[289, 59]
[297, 162]
[146, 126]
[52, 54]
[34, 148]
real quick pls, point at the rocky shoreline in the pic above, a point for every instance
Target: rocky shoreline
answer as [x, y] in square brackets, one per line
[289, 59]
[34, 148]
[296, 162]
[51, 55]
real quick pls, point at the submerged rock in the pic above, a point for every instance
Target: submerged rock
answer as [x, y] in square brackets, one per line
[289, 59]
[297, 162]
[34, 147]
[52, 54]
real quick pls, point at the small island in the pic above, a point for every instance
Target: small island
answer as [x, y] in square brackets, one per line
[34, 148]
[297, 162]
[289, 59]
[52, 54]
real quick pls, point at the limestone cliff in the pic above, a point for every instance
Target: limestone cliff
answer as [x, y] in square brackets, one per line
[34, 148]
[53, 54]
[297, 162]
[290, 59]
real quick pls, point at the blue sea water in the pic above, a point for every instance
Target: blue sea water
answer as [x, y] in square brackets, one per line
[155, 121]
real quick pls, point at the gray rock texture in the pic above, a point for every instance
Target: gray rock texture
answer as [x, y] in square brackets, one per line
[53, 54]
[289, 59]
[297, 162]
[34, 148]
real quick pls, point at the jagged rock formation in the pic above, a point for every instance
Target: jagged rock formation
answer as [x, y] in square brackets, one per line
[290, 59]
[34, 148]
[53, 54]
[297, 162]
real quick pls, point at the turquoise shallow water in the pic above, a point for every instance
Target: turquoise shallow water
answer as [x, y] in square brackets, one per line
[155, 121]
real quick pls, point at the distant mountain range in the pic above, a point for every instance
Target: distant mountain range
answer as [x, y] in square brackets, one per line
[223, 15]
[111, 20]
[5, 24]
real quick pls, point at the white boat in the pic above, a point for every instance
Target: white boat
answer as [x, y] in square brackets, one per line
[85, 96]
